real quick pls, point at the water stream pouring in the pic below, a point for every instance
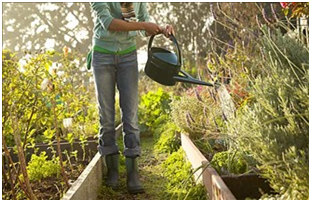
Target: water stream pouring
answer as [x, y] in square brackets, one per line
[163, 66]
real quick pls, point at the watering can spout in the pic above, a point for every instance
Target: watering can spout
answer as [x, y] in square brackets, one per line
[187, 78]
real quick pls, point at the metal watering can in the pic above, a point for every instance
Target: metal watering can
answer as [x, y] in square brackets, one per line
[163, 66]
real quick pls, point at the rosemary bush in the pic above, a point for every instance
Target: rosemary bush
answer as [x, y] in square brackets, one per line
[274, 129]
[196, 113]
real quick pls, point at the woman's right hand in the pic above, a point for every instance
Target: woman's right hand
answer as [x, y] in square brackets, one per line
[152, 28]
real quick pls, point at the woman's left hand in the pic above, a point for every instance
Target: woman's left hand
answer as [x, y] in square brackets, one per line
[168, 30]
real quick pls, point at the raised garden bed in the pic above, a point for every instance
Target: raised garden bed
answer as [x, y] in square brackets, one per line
[246, 185]
[85, 178]
[87, 186]
[225, 187]
[84, 153]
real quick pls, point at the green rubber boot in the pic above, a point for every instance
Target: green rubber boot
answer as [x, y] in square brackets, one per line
[133, 183]
[112, 162]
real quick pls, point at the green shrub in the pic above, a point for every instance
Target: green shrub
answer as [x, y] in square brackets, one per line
[180, 183]
[176, 169]
[274, 130]
[154, 109]
[39, 91]
[196, 114]
[39, 167]
[161, 124]
[169, 140]
[228, 162]
[25, 97]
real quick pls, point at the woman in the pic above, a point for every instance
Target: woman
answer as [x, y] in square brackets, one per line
[114, 63]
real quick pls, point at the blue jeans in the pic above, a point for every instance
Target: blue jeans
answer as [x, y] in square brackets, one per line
[109, 71]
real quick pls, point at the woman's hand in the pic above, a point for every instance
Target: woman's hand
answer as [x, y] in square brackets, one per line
[167, 30]
[152, 28]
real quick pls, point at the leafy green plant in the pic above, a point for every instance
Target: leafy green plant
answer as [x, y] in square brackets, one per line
[180, 183]
[21, 101]
[23, 87]
[36, 99]
[154, 110]
[210, 146]
[39, 167]
[228, 162]
[176, 169]
[153, 107]
[169, 140]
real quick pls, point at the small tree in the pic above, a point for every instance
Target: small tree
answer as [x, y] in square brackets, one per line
[33, 111]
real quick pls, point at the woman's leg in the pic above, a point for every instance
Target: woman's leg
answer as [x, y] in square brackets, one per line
[127, 83]
[104, 72]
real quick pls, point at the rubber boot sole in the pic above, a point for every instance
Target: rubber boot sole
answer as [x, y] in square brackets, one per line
[136, 190]
[115, 187]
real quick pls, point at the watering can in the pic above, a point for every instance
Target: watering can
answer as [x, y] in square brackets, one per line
[164, 66]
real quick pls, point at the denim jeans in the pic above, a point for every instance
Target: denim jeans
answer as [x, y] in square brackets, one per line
[109, 71]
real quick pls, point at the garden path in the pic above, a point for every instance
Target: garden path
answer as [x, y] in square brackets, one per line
[151, 173]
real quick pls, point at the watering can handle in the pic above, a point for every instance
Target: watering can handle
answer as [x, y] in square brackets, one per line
[174, 41]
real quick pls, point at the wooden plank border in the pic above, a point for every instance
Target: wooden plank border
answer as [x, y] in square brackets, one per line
[205, 174]
[88, 184]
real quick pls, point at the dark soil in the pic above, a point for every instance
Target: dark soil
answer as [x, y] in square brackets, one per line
[51, 188]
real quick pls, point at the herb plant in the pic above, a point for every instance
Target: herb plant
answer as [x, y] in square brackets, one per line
[40, 167]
